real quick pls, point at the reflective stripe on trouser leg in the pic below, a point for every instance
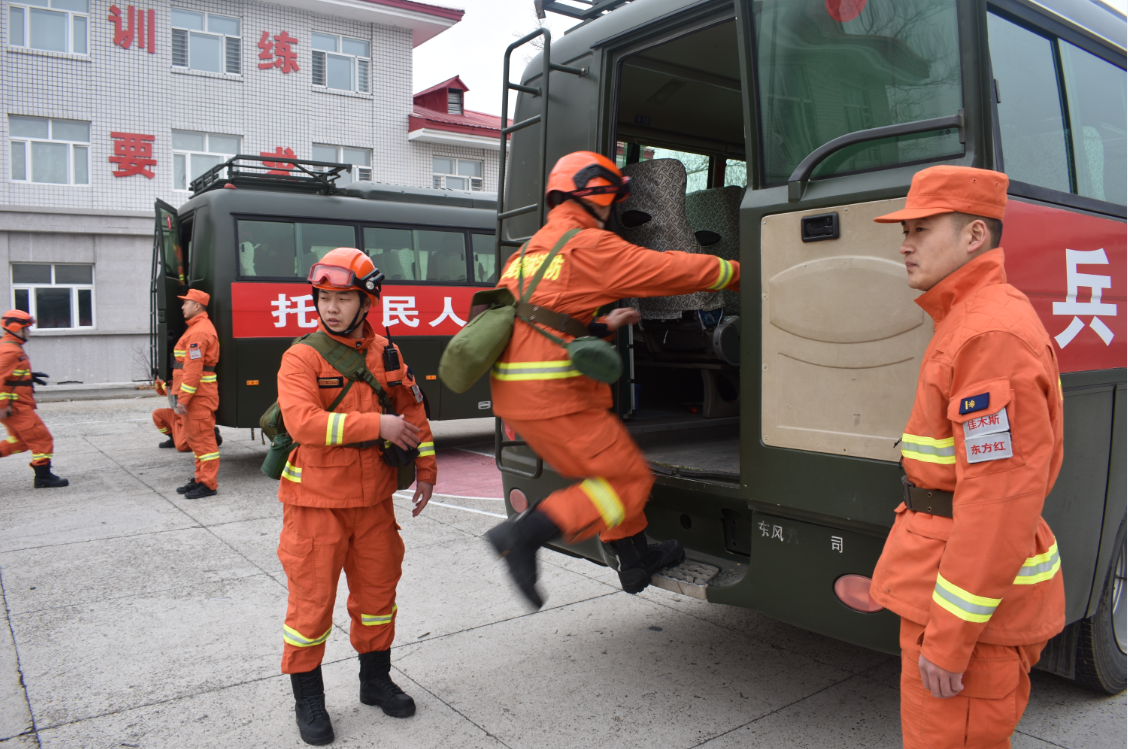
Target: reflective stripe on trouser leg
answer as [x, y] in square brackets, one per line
[606, 500]
[373, 565]
[373, 620]
[298, 640]
[32, 433]
[200, 431]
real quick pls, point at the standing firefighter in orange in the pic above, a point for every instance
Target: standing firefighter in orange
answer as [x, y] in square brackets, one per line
[26, 431]
[337, 487]
[197, 397]
[970, 565]
[564, 415]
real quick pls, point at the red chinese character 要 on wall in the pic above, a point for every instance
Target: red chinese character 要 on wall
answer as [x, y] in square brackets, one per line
[279, 52]
[133, 27]
[133, 153]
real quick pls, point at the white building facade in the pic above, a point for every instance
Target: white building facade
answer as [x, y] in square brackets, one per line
[108, 106]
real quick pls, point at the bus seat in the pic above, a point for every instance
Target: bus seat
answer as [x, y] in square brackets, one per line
[654, 217]
[714, 217]
[396, 265]
[447, 266]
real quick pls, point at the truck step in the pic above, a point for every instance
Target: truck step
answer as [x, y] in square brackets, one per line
[689, 578]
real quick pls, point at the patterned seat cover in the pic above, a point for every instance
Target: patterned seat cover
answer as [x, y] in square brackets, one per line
[718, 210]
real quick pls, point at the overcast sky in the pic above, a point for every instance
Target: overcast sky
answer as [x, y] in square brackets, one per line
[474, 47]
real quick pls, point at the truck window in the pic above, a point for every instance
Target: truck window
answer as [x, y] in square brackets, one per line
[828, 69]
[485, 258]
[287, 249]
[417, 254]
[1030, 108]
[1095, 90]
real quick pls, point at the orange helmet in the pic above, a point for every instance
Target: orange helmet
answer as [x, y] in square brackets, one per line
[344, 269]
[588, 175]
[15, 320]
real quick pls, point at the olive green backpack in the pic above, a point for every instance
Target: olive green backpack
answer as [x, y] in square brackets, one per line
[476, 347]
[350, 363]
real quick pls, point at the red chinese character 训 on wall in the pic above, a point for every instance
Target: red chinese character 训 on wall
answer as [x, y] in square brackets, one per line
[133, 153]
[132, 29]
[279, 51]
[279, 167]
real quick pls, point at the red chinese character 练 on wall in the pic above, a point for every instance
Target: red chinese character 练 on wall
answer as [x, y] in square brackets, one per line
[279, 51]
[279, 167]
[133, 153]
[132, 29]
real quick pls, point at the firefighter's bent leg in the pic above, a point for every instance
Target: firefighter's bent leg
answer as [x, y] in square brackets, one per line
[30, 433]
[171, 424]
[594, 446]
[11, 444]
[201, 438]
[372, 565]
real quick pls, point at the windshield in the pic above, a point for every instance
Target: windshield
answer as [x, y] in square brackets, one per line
[831, 67]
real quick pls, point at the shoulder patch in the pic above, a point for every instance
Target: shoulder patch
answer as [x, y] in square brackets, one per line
[974, 403]
[330, 382]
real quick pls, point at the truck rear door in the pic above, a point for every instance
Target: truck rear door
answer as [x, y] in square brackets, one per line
[169, 277]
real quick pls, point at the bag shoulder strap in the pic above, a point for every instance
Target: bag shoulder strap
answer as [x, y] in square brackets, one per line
[528, 293]
[349, 362]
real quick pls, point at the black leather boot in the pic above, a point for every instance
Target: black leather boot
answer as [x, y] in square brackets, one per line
[167, 443]
[639, 561]
[309, 707]
[44, 479]
[377, 687]
[218, 437]
[189, 487]
[516, 541]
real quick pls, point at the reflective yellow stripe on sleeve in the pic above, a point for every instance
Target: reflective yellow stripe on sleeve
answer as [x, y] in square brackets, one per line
[928, 450]
[187, 389]
[724, 277]
[606, 500]
[298, 640]
[426, 448]
[208, 378]
[534, 370]
[292, 473]
[371, 620]
[179, 352]
[967, 606]
[1040, 568]
[335, 429]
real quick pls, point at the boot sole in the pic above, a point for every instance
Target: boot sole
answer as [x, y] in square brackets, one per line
[59, 485]
[405, 712]
[317, 742]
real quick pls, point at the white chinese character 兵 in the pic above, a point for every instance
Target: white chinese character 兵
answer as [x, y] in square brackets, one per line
[448, 311]
[402, 307]
[777, 532]
[1096, 284]
[836, 544]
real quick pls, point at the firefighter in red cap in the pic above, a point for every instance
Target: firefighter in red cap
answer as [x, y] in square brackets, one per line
[563, 415]
[336, 488]
[26, 431]
[197, 394]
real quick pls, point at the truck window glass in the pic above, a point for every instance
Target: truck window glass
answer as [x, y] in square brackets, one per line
[417, 254]
[821, 77]
[285, 249]
[1095, 90]
[485, 258]
[1030, 107]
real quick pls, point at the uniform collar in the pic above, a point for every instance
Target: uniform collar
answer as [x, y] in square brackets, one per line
[570, 215]
[363, 343]
[13, 338]
[198, 318]
[985, 270]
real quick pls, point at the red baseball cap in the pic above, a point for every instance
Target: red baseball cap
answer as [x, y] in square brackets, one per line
[953, 189]
[195, 295]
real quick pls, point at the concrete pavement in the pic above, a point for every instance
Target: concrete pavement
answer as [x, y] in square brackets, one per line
[137, 618]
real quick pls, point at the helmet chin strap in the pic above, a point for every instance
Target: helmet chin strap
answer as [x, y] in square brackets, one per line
[584, 204]
[357, 321]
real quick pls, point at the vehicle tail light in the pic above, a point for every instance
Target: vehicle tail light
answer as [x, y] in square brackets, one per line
[853, 590]
[517, 500]
[509, 433]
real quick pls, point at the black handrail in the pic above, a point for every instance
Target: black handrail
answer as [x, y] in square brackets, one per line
[797, 184]
[595, 8]
[500, 443]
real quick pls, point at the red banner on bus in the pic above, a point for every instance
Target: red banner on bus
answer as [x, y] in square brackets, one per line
[285, 310]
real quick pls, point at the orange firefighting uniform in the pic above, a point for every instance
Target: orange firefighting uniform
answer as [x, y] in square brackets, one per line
[337, 508]
[26, 431]
[198, 392]
[563, 415]
[167, 421]
[981, 592]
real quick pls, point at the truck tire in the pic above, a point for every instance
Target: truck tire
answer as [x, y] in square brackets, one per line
[1101, 645]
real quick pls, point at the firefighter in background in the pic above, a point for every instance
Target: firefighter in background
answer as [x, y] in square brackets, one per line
[565, 416]
[198, 394]
[167, 421]
[970, 565]
[336, 493]
[26, 431]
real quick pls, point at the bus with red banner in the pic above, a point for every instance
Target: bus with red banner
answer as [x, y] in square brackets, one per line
[248, 237]
[773, 132]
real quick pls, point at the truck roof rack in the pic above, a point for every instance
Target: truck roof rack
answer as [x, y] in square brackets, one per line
[590, 8]
[272, 172]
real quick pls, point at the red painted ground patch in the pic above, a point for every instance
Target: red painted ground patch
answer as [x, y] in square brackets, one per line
[466, 474]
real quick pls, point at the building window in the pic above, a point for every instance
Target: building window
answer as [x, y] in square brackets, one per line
[456, 174]
[50, 151]
[57, 296]
[359, 158]
[205, 41]
[454, 101]
[195, 153]
[340, 62]
[52, 25]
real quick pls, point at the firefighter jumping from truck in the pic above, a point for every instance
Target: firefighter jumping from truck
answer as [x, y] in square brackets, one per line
[970, 565]
[337, 485]
[197, 394]
[564, 416]
[26, 431]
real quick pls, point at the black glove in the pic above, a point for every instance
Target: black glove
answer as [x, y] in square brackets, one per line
[40, 378]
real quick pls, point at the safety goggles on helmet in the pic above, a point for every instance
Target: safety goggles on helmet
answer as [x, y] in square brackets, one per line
[620, 186]
[343, 278]
[24, 320]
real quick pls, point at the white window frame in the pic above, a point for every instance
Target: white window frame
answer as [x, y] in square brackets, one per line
[25, 143]
[228, 42]
[74, 289]
[359, 172]
[21, 37]
[360, 66]
[186, 155]
[438, 179]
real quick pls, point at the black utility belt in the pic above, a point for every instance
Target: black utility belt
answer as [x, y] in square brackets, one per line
[363, 445]
[931, 501]
[180, 365]
[18, 383]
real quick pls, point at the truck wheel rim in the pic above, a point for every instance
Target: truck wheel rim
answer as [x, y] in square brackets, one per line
[1119, 617]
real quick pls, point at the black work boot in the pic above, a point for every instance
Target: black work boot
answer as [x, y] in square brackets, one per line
[199, 491]
[639, 561]
[218, 437]
[167, 443]
[517, 541]
[309, 707]
[191, 486]
[44, 479]
[377, 687]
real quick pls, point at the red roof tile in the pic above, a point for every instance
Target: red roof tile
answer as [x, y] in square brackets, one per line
[452, 14]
